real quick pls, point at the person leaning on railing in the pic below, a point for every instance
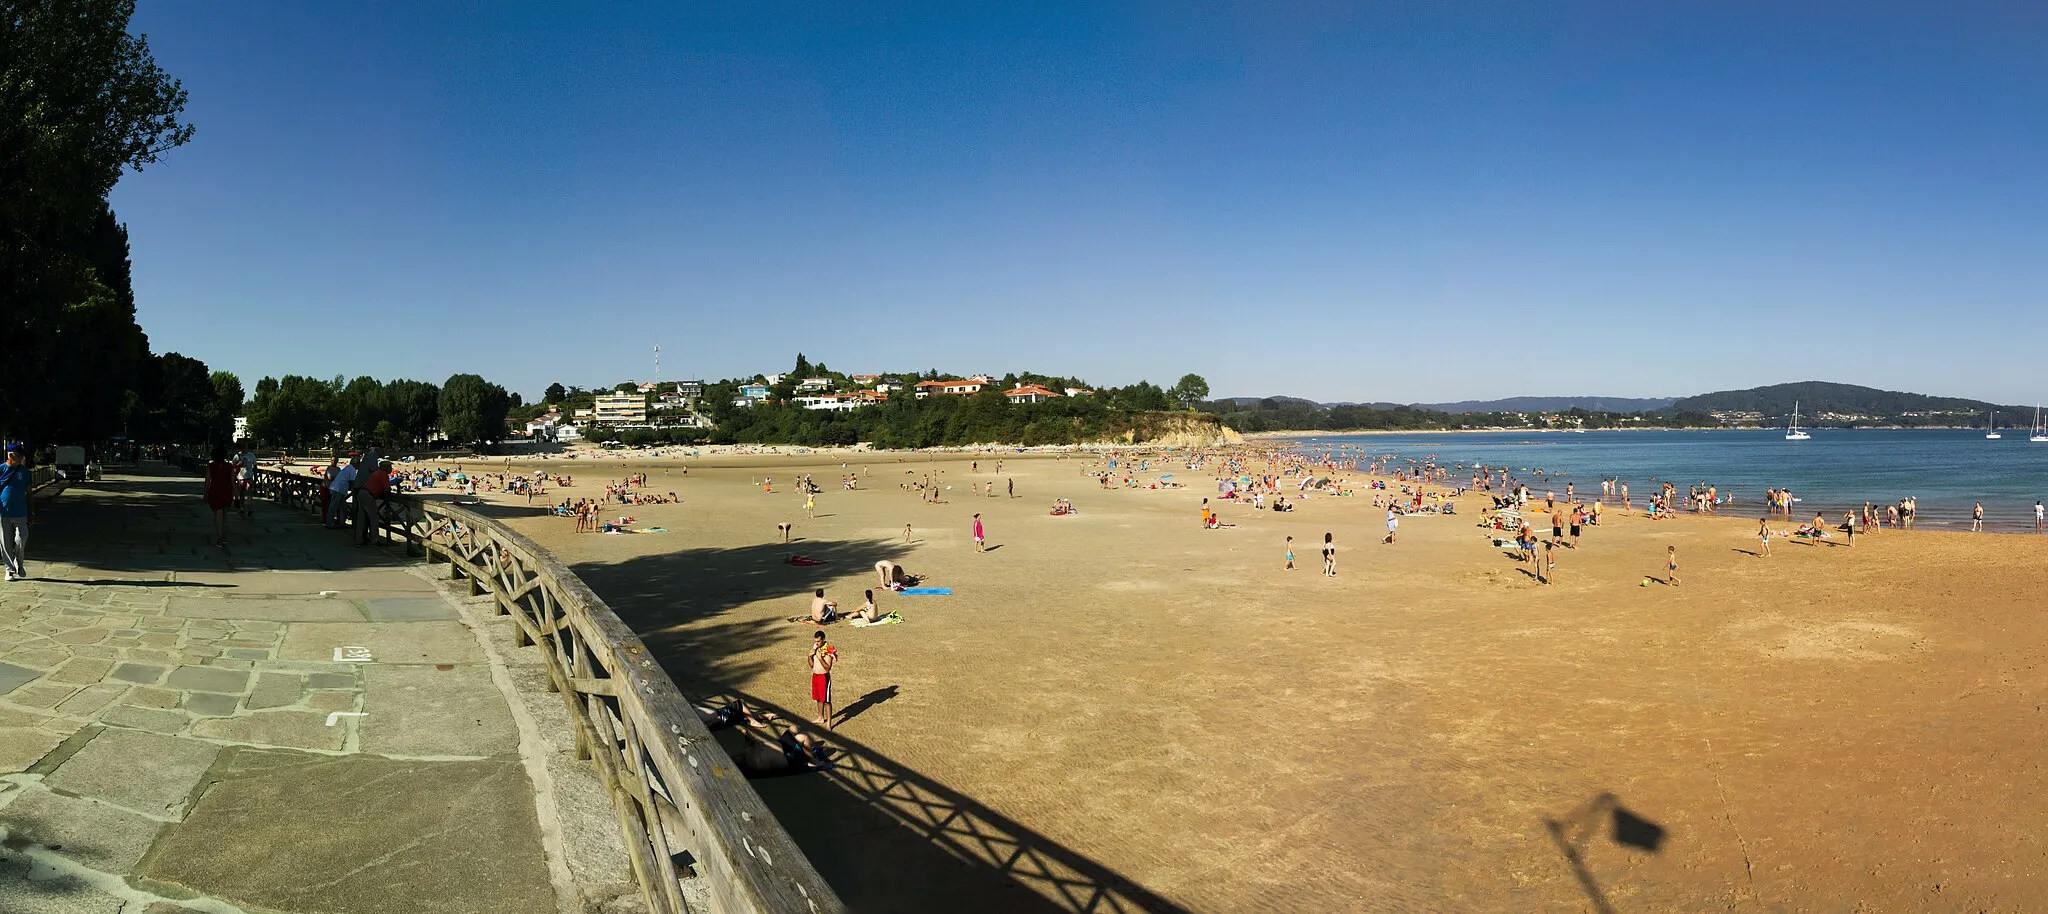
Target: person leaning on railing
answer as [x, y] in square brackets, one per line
[370, 511]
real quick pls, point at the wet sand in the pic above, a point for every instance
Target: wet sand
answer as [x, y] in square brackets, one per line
[1121, 711]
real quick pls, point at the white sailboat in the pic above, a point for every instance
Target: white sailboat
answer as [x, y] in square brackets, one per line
[2040, 431]
[1792, 432]
[1993, 432]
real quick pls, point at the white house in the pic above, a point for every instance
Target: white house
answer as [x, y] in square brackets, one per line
[1029, 393]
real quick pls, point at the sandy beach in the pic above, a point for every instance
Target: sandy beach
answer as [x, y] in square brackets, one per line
[1119, 710]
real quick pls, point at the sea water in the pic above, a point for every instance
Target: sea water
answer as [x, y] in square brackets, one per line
[1948, 470]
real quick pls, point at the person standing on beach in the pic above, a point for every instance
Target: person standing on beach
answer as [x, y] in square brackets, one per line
[1556, 525]
[1578, 520]
[1393, 523]
[16, 501]
[978, 535]
[1329, 556]
[1977, 518]
[810, 505]
[2040, 520]
[1763, 536]
[1548, 567]
[1013, 486]
[1670, 566]
[823, 657]
[1624, 498]
[1290, 553]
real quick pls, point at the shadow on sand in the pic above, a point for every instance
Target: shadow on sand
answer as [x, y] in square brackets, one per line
[1582, 826]
[885, 836]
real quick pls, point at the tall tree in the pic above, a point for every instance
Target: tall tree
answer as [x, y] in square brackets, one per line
[473, 410]
[227, 404]
[181, 400]
[1190, 390]
[415, 409]
[80, 100]
[292, 412]
[555, 393]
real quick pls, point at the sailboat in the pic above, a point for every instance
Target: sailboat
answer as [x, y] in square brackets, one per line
[2040, 431]
[1993, 433]
[1792, 432]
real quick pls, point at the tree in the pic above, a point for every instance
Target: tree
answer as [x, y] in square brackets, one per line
[473, 410]
[803, 367]
[1141, 396]
[358, 406]
[1191, 390]
[414, 409]
[555, 393]
[291, 412]
[80, 100]
[227, 404]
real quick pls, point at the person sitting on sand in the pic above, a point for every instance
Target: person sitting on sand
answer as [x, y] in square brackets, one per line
[867, 610]
[823, 610]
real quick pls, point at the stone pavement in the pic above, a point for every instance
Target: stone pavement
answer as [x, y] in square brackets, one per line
[292, 724]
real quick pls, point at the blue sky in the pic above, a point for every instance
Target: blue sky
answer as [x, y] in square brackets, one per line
[1406, 202]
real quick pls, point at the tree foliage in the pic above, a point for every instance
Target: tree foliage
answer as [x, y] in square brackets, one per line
[473, 410]
[80, 101]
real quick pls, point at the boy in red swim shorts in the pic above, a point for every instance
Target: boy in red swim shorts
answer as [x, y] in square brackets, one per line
[822, 657]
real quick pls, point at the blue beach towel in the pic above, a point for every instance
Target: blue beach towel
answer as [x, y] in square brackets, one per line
[927, 591]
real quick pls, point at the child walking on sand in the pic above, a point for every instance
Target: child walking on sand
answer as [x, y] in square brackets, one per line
[1763, 536]
[1290, 553]
[1671, 565]
[1329, 556]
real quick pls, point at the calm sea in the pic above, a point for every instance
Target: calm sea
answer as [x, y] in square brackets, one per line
[1947, 469]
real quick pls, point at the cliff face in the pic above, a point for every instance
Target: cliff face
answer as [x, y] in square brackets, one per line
[1177, 429]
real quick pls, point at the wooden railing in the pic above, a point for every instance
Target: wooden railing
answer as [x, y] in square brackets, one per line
[683, 806]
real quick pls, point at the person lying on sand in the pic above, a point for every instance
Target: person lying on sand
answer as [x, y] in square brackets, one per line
[731, 714]
[790, 752]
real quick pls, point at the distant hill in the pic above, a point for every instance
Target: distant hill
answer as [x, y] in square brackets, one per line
[1819, 397]
[1278, 401]
[1553, 405]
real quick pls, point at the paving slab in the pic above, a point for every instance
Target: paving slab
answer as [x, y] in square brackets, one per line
[294, 729]
[149, 773]
[208, 679]
[427, 837]
[151, 719]
[21, 747]
[139, 673]
[275, 690]
[102, 837]
[13, 677]
[410, 609]
[394, 580]
[207, 704]
[26, 890]
[424, 710]
[388, 642]
[267, 609]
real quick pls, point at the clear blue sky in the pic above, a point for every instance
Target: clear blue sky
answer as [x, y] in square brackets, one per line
[1421, 201]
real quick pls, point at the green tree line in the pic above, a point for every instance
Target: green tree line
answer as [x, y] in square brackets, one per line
[297, 411]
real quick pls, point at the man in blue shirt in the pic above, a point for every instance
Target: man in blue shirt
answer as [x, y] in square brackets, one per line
[14, 509]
